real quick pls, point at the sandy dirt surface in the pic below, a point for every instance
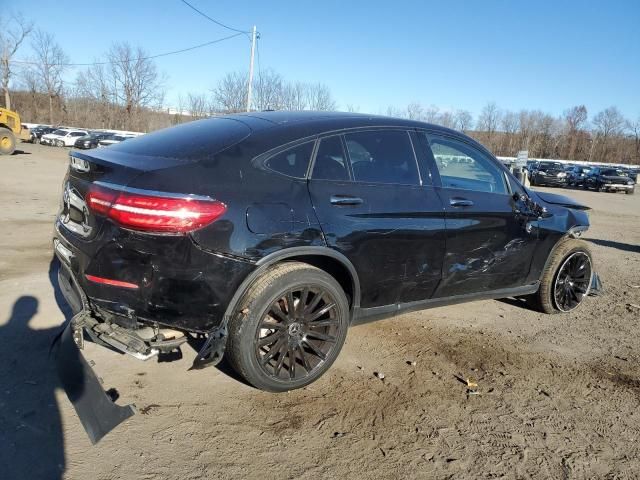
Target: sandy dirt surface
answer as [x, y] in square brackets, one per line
[559, 395]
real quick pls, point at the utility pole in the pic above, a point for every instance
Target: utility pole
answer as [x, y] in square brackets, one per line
[253, 50]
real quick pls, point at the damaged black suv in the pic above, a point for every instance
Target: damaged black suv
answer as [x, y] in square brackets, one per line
[265, 235]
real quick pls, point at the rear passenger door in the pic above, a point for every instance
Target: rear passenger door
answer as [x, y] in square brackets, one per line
[376, 209]
[488, 244]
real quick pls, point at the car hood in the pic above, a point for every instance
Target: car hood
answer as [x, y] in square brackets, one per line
[556, 199]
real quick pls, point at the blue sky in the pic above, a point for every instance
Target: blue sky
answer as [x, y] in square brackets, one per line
[546, 55]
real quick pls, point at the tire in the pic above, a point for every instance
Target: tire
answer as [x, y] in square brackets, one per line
[7, 141]
[289, 337]
[59, 143]
[566, 251]
[630, 192]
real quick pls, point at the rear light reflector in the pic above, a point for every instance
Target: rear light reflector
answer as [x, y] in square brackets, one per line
[113, 283]
[153, 212]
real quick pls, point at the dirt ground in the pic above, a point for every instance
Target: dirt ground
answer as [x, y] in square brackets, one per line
[559, 395]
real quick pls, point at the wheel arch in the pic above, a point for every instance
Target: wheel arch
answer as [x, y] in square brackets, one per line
[331, 261]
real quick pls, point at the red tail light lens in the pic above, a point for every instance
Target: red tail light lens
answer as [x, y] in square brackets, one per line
[154, 213]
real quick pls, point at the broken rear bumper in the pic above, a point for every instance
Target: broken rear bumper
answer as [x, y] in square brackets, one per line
[97, 412]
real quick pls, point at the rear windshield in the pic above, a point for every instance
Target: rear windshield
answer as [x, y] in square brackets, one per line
[190, 141]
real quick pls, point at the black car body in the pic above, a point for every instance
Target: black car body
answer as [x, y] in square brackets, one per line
[609, 179]
[37, 132]
[577, 175]
[91, 141]
[550, 174]
[184, 229]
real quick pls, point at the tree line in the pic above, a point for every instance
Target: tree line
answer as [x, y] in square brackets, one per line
[125, 90]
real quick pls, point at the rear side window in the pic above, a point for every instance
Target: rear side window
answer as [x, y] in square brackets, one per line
[293, 161]
[382, 156]
[330, 161]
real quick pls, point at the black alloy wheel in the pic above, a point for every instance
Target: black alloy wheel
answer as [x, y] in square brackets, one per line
[573, 281]
[297, 333]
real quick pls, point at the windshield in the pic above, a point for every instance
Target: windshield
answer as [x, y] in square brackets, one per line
[60, 132]
[550, 166]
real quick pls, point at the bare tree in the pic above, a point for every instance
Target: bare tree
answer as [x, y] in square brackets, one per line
[463, 120]
[198, 105]
[575, 119]
[608, 123]
[268, 91]
[488, 123]
[12, 34]
[49, 66]
[431, 114]
[230, 94]
[320, 97]
[135, 78]
[447, 119]
[509, 125]
[414, 111]
[351, 108]
[295, 96]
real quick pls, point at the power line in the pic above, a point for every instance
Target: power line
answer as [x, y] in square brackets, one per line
[246, 32]
[175, 52]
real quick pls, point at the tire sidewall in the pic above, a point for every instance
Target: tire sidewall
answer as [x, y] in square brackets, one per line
[258, 308]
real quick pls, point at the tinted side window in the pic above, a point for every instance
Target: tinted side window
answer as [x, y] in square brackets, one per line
[465, 167]
[330, 161]
[382, 156]
[293, 162]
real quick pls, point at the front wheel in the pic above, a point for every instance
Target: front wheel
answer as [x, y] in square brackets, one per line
[7, 141]
[566, 279]
[289, 327]
[631, 192]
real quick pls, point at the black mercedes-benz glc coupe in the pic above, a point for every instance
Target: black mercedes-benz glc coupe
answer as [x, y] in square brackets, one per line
[263, 236]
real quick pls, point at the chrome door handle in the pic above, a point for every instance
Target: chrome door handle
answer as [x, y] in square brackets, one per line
[460, 202]
[342, 200]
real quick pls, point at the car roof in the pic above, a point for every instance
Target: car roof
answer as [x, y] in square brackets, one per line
[283, 118]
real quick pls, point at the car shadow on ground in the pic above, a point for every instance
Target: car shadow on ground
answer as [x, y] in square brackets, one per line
[626, 247]
[31, 436]
[20, 152]
[517, 302]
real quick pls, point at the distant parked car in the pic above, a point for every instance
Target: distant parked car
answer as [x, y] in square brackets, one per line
[92, 140]
[62, 137]
[577, 175]
[550, 174]
[37, 132]
[113, 140]
[610, 180]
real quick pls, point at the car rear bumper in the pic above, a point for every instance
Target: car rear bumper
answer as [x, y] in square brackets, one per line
[178, 284]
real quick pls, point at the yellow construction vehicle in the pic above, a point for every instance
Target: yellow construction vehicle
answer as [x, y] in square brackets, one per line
[10, 130]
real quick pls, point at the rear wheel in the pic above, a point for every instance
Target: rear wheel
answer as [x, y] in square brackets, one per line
[7, 141]
[566, 279]
[289, 328]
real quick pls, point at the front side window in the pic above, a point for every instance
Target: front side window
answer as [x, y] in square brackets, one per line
[382, 156]
[330, 161]
[462, 166]
[293, 161]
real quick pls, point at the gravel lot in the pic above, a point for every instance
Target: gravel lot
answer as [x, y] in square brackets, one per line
[559, 395]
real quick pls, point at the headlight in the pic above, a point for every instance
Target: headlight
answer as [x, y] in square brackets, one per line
[630, 182]
[541, 173]
[562, 175]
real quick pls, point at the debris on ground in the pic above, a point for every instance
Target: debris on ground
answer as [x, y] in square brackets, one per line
[379, 375]
[411, 362]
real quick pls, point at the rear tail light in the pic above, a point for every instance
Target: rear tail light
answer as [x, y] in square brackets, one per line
[154, 212]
